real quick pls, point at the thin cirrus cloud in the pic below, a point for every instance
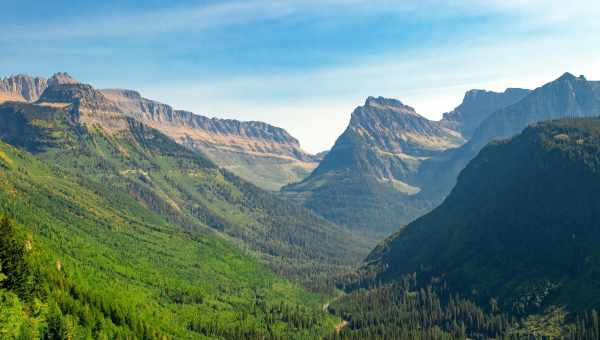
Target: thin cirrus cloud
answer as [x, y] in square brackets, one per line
[189, 18]
[305, 65]
[224, 13]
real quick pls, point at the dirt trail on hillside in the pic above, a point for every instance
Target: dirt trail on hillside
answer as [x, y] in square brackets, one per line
[339, 326]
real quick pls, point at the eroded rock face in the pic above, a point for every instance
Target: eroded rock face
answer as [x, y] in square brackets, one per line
[84, 96]
[477, 105]
[161, 114]
[261, 153]
[61, 78]
[391, 126]
[366, 180]
[22, 88]
[26, 88]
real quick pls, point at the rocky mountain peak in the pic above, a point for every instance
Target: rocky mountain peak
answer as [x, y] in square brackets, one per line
[390, 104]
[60, 78]
[567, 76]
[371, 101]
[478, 105]
[63, 89]
[369, 171]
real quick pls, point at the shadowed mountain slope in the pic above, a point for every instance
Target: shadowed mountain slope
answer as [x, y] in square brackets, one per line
[567, 96]
[522, 223]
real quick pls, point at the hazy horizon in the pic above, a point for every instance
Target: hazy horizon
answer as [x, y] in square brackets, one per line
[302, 65]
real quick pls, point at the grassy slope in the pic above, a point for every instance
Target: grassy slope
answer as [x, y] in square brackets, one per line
[187, 189]
[114, 247]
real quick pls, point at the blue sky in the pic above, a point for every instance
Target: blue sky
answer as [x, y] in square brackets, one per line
[302, 65]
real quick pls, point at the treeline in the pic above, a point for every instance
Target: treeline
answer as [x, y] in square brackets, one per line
[405, 310]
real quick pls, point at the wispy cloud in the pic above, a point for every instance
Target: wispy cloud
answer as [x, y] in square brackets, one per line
[224, 13]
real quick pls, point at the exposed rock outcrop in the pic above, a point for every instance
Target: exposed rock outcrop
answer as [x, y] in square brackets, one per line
[261, 153]
[21, 88]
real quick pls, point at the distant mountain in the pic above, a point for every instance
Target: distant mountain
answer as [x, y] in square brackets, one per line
[263, 154]
[258, 152]
[391, 165]
[321, 155]
[478, 105]
[522, 223]
[366, 179]
[567, 96]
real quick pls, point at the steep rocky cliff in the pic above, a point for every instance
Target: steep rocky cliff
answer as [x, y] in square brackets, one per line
[366, 180]
[477, 105]
[21, 88]
[261, 153]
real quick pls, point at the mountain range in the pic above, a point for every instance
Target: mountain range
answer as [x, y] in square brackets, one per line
[477, 106]
[258, 152]
[121, 217]
[392, 165]
[370, 181]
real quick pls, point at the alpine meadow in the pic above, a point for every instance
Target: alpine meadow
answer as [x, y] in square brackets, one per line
[375, 170]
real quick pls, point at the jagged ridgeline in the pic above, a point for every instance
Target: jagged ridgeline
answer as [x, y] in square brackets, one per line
[392, 165]
[263, 154]
[137, 235]
[567, 96]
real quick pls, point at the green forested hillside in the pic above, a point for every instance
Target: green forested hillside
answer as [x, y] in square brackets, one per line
[109, 267]
[407, 309]
[136, 236]
[521, 225]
